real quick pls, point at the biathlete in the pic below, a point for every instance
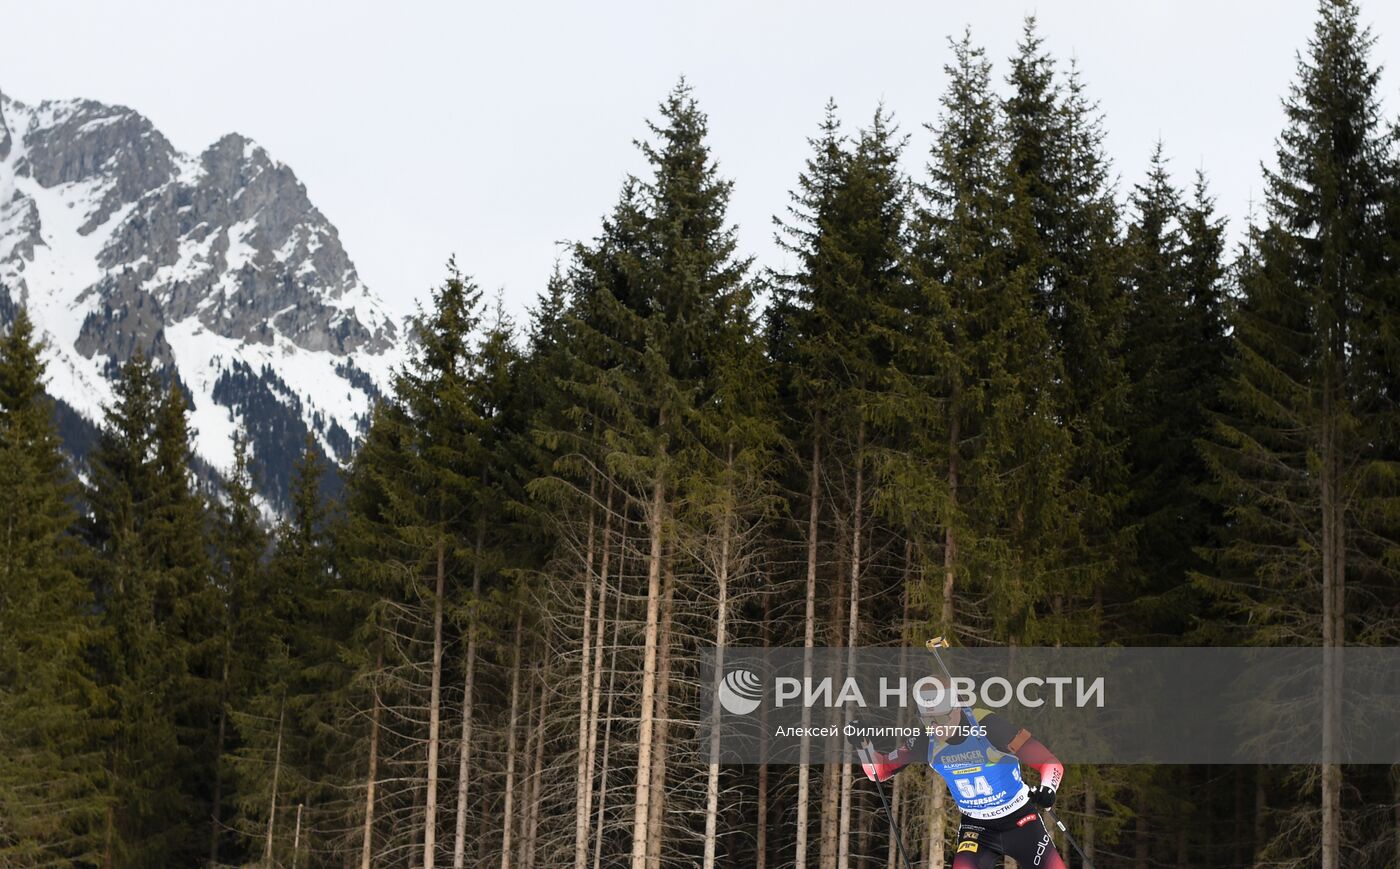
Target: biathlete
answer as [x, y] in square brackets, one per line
[979, 754]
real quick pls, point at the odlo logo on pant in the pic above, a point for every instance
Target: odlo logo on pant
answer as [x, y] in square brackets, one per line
[1040, 848]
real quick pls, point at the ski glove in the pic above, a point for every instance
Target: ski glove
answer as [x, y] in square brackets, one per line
[1043, 796]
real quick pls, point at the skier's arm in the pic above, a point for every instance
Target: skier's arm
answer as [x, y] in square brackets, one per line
[886, 765]
[879, 765]
[1035, 755]
[1011, 739]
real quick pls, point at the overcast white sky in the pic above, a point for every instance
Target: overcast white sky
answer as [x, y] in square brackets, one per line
[497, 130]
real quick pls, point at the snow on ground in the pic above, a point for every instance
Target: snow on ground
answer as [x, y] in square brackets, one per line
[194, 259]
[201, 356]
[189, 170]
[240, 252]
[199, 364]
[382, 368]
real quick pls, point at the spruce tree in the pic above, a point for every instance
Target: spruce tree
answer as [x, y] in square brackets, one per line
[1062, 242]
[693, 284]
[140, 664]
[794, 327]
[432, 503]
[1176, 353]
[1088, 308]
[649, 297]
[177, 544]
[287, 761]
[248, 655]
[498, 561]
[51, 712]
[832, 318]
[955, 261]
[309, 621]
[411, 513]
[367, 554]
[1034, 140]
[835, 332]
[997, 270]
[160, 609]
[730, 504]
[1298, 454]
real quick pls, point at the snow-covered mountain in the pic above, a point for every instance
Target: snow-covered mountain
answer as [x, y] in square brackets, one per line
[218, 265]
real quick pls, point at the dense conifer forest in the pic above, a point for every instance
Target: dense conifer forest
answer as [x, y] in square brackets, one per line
[1001, 400]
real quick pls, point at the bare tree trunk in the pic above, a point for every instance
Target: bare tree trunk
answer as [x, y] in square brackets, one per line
[859, 799]
[464, 751]
[808, 641]
[831, 810]
[434, 710]
[508, 816]
[372, 778]
[761, 838]
[937, 827]
[656, 823]
[531, 725]
[852, 638]
[641, 808]
[892, 851]
[215, 820]
[532, 825]
[588, 762]
[607, 726]
[721, 637]
[464, 764]
[1333, 615]
[296, 837]
[831, 772]
[1206, 832]
[843, 839]
[1261, 808]
[761, 808]
[583, 784]
[1237, 846]
[897, 790]
[1091, 807]
[276, 774]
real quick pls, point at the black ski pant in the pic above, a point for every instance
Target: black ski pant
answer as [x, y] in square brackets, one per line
[1021, 836]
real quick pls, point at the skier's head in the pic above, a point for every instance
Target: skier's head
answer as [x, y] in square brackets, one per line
[935, 701]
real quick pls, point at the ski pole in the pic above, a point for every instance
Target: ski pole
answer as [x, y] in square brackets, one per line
[894, 825]
[1061, 826]
[934, 645]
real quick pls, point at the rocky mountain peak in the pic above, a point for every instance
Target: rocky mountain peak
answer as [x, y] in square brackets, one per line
[75, 141]
[219, 265]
